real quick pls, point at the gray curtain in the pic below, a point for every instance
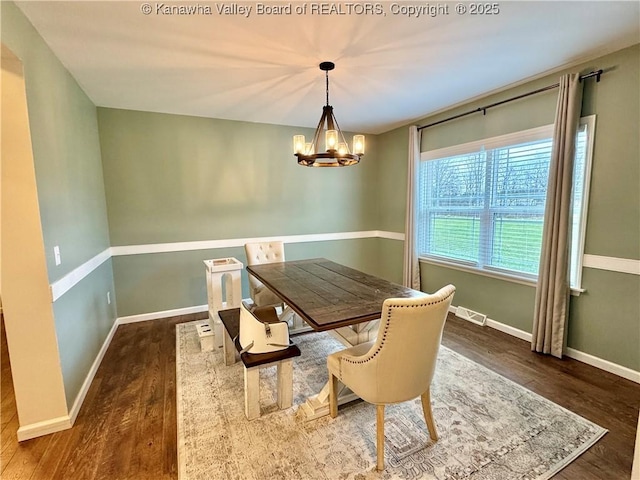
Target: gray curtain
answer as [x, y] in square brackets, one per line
[552, 293]
[411, 270]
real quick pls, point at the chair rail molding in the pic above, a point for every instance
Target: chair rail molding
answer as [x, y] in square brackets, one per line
[612, 264]
[67, 282]
[71, 279]
[240, 242]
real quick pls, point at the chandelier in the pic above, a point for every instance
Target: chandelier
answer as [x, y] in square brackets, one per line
[337, 153]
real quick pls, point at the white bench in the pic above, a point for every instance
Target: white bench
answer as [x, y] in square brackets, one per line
[253, 362]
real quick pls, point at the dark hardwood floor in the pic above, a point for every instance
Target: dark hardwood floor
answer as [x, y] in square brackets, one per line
[126, 428]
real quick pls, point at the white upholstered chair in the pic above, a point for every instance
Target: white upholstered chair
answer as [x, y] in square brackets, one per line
[398, 366]
[258, 253]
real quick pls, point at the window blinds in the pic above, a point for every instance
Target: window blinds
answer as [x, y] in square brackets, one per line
[482, 205]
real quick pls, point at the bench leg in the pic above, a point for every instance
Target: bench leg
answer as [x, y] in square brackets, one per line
[252, 392]
[229, 348]
[285, 383]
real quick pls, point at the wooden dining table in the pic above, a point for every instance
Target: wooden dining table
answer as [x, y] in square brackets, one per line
[331, 297]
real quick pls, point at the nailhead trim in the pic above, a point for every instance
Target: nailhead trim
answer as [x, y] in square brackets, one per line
[386, 331]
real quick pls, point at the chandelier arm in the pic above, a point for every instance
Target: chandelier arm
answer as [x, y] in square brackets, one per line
[318, 133]
[344, 140]
[330, 118]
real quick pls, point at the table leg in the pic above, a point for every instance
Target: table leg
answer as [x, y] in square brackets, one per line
[296, 324]
[356, 334]
[317, 406]
[368, 331]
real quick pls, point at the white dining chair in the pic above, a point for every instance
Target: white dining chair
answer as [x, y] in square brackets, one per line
[260, 253]
[399, 365]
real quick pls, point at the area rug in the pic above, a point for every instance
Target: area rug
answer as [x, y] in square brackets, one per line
[489, 427]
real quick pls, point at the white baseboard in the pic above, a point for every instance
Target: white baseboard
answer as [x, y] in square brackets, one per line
[62, 423]
[587, 358]
[75, 408]
[143, 317]
[27, 432]
[46, 427]
[514, 332]
[602, 364]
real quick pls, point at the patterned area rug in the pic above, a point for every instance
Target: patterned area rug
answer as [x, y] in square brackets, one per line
[489, 427]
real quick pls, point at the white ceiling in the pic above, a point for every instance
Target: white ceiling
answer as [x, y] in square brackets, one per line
[390, 69]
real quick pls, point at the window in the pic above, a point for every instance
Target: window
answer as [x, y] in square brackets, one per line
[481, 204]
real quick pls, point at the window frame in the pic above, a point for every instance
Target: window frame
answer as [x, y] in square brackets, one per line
[524, 136]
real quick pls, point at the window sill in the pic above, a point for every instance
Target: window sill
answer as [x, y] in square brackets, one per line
[491, 274]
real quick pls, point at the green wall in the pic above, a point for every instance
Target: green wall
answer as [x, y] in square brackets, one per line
[64, 133]
[392, 187]
[605, 320]
[177, 178]
[173, 178]
[83, 319]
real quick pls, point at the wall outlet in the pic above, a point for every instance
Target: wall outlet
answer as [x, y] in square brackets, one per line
[56, 255]
[109, 298]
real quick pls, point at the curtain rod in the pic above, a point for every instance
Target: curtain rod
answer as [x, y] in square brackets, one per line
[484, 109]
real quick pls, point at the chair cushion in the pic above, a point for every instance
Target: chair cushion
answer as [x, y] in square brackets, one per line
[333, 360]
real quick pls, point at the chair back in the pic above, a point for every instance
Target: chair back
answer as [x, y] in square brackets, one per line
[405, 352]
[259, 253]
